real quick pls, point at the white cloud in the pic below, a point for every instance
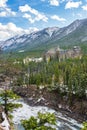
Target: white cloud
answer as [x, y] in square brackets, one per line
[37, 15]
[10, 12]
[84, 7]
[10, 29]
[56, 17]
[3, 3]
[7, 12]
[54, 2]
[4, 10]
[3, 14]
[72, 4]
[25, 8]
[28, 16]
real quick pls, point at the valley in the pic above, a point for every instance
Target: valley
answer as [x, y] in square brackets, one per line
[48, 70]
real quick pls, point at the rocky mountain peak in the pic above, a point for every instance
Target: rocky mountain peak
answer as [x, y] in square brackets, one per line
[48, 35]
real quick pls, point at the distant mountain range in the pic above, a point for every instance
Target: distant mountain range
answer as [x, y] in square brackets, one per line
[73, 34]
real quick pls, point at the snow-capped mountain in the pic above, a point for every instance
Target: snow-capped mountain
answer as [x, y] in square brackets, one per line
[27, 39]
[73, 33]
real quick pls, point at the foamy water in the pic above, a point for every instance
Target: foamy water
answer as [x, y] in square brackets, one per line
[26, 111]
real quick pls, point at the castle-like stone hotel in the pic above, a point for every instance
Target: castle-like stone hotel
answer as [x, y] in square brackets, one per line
[61, 54]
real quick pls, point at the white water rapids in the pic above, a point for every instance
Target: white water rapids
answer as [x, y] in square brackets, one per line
[26, 111]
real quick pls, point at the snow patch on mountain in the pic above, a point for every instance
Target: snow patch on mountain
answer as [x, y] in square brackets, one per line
[43, 37]
[51, 30]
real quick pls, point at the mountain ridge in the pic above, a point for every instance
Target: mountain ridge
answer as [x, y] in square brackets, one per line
[74, 33]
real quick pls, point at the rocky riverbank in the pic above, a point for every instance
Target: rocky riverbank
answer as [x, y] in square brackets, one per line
[4, 123]
[35, 97]
[1, 119]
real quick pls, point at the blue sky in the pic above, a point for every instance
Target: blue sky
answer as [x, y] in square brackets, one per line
[25, 16]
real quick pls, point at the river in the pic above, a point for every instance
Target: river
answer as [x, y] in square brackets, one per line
[26, 111]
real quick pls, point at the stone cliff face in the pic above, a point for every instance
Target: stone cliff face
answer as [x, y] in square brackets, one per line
[1, 110]
[1, 118]
[4, 125]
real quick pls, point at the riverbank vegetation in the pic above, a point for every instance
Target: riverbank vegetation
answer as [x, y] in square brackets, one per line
[84, 126]
[67, 77]
[65, 80]
[6, 96]
[44, 121]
